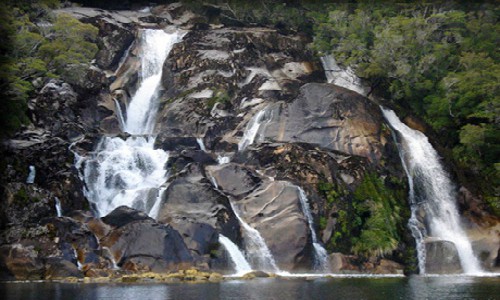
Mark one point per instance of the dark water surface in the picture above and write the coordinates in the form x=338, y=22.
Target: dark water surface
x=415, y=287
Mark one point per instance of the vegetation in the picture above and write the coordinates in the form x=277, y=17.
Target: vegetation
x=380, y=233
x=38, y=44
x=219, y=96
x=370, y=221
x=439, y=61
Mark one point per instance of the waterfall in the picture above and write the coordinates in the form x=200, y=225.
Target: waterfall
x=111, y=258
x=241, y=265
x=31, y=176
x=153, y=213
x=119, y=114
x=130, y=172
x=223, y=159
x=255, y=246
x=201, y=144
x=342, y=77
x=432, y=191
x=321, y=256
x=124, y=172
x=58, y=207
x=252, y=129
x=78, y=263
x=141, y=112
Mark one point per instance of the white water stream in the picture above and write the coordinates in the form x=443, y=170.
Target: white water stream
x=241, y=265
x=31, y=175
x=130, y=172
x=432, y=191
x=321, y=256
x=58, y=207
x=344, y=78
x=252, y=129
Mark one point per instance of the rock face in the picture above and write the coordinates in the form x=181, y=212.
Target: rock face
x=141, y=244
x=331, y=117
x=274, y=210
x=441, y=257
x=190, y=197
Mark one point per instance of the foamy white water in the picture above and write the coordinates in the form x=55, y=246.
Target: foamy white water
x=241, y=265
x=124, y=172
x=320, y=254
x=141, y=112
x=199, y=140
x=58, y=207
x=31, y=175
x=256, y=249
x=435, y=193
x=342, y=77
x=130, y=172
x=252, y=128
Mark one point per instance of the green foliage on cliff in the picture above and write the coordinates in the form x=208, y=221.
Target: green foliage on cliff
x=436, y=60
x=383, y=217
x=370, y=221
x=38, y=44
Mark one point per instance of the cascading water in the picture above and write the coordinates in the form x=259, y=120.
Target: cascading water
x=201, y=144
x=130, y=172
x=344, y=78
x=252, y=129
x=58, y=207
x=141, y=112
x=31, y=176
x=321, y=256
x=432, y=191
x=255, y=246
x=241, y=265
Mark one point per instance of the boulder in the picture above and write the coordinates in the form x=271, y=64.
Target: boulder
x=148, y=246
x=191, y=197
x=386, y=266
x=200, y=238
x=124, y=215
x=441, y=257
x=233, y=179
x=331, y=117
x=58, y=268
x=274, y=209
x=20, y=263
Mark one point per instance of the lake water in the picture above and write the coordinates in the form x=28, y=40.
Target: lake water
x=414, y=287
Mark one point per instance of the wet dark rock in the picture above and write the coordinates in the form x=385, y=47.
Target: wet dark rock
x=234, y=180
x=145, y=245
x=274, y=209
x=331, y=117
x=200, y=238
x=441, y=257
x=123, y=215
x=20, y=263
x=191, y=197
x=58, y=268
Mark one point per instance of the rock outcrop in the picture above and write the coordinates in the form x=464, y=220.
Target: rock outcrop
x=330, y=117
x=441, y=257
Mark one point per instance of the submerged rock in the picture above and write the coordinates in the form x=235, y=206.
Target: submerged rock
x=441, y=257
